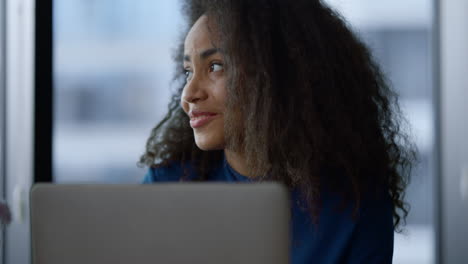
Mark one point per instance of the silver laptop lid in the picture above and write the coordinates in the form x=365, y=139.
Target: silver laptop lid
x=160, y=223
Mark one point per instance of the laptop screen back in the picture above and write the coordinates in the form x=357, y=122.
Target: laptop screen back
x=160, y=223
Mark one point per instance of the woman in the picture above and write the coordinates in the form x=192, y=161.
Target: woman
x=283, y=90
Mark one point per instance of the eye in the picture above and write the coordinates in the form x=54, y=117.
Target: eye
x=188, y=74
x=214, y=67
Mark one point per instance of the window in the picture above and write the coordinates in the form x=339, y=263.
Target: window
x=112, y=74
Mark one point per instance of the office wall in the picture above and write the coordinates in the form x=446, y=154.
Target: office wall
x=453, y=130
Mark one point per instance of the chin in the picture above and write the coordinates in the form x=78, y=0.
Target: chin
x=209, y=143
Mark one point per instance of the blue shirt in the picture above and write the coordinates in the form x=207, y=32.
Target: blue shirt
x=336, y=238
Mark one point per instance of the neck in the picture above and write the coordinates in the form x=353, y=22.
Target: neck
x=237, y=162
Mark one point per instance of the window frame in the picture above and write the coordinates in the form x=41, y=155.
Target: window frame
x=2, y=114
x=43, y=99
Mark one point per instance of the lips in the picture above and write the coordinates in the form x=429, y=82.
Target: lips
x=199, y=119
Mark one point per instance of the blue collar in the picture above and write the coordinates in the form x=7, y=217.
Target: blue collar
x=234, y=174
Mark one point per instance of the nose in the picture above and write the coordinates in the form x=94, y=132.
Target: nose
x=193, y=92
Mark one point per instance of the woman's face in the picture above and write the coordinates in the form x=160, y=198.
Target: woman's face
x=203, y=97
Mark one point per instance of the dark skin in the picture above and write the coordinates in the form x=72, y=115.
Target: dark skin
x=205, y=91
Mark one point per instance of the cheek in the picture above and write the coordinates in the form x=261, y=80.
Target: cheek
x=221, y=92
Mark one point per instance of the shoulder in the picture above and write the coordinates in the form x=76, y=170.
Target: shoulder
x=373, y=235
x=365, y=236
x=166, y=173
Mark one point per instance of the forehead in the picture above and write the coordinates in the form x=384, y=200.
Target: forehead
x=200, y=36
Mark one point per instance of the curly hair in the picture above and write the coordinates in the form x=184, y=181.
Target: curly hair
x=307, y=105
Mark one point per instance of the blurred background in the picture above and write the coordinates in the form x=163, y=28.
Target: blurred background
x=112, y=75
x=112, y=72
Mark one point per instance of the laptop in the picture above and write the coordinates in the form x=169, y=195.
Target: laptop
x=160, y=223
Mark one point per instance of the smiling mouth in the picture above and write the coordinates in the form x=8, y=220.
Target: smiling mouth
x=201, y=120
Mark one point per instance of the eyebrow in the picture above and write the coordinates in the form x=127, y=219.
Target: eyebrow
x=204, y=54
